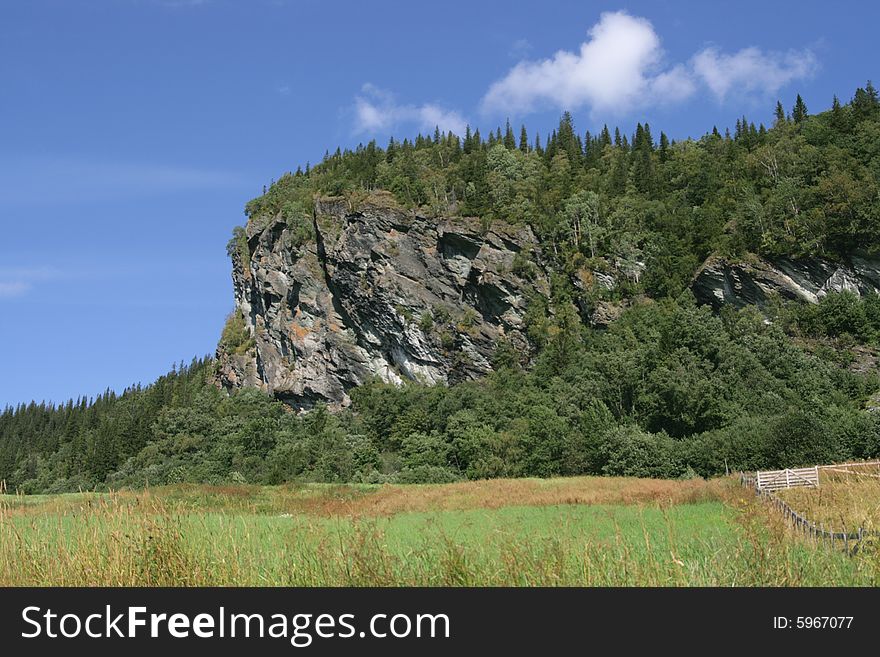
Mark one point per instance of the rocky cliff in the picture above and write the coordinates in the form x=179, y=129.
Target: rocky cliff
x=755, y=280
x=347, y=296
x=377, y=293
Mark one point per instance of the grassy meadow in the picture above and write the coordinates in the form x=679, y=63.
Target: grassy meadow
x=582, y=531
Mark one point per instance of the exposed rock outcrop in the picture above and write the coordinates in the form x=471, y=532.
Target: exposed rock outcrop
x=755, y=280
x=377, y=293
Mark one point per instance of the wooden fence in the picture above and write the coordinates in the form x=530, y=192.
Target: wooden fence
x=850, y=542
x=857, y=469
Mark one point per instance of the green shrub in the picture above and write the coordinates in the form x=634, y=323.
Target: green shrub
x=236, y=338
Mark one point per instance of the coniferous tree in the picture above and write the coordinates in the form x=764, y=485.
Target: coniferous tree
x=509, y=139
x=799, y=113
x=779, y=113
x=664, y=147
x=523, y=140
x=865, y=103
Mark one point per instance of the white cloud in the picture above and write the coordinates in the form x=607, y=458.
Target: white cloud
x=610, y=71
x=377, y=110
x=751, y=70
x=672, y=86
x=18, y=281
x=621, y=67
x=9, y=289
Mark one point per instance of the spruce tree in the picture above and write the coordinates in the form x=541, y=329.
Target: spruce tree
x=799, y=113
x=509, y=140
x=779, y=114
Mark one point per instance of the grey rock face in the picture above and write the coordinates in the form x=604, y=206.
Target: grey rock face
x=378, y=294
x=719, y=281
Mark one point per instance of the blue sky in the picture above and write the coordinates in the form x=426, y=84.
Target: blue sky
x=132, y=132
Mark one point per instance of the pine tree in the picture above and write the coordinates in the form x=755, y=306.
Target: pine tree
x=589, y=148
x=643, y=160
x=865, y=103
x=648, y=138
x=509, y=140
x=871, y=92
x=779, y=114
x=837, y=119
x=568, y=141
x=799, y=113
x=550, y=149
x=523, y=140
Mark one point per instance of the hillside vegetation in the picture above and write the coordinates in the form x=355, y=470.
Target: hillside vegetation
x=668, y=390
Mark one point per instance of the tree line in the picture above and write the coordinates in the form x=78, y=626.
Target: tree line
x=668, y=390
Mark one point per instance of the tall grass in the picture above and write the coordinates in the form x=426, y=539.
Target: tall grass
x=192, y=536
x=842, y=501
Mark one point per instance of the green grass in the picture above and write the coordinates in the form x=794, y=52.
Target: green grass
x=243, y=536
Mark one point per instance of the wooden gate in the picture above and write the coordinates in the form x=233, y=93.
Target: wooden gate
x=778, y=479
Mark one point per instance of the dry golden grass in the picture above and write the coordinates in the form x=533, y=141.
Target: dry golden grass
x=388, y=500
x=843, y=502
x=499, y=493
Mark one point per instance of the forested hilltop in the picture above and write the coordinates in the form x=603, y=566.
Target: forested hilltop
x=806, y=186
x=662, y=387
